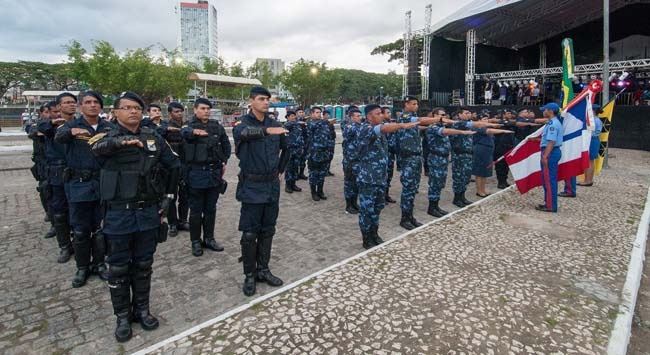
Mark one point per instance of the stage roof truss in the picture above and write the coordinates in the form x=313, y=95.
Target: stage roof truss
x=596, y=68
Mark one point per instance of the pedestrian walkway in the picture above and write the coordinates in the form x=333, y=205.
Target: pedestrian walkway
x=495, y=278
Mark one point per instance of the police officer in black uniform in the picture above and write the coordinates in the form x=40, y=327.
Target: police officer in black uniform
x=130, y=188
x=39, y=169
x=502, y=144
x=66, y=104
x=82, y=186
x=263, y=155
x=171, y=131
x=207, y=150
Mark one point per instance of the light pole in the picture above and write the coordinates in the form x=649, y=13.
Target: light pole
x=314, y=72
x=381, y=92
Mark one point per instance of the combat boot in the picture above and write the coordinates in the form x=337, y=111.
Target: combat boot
x=208, y=233
x=319, y=191
x=295, y=187
x=50, y=233
x=406, y=221
x=98, y=266
x=141, y=285
x=465, y=201
x=302, y=175
x=314, y=194
x=249, y=285
x=60, y=223
x=457, y=200
x=388, y=198
x=375, y=236
x=368, y=241
x=434, y=210
x=414, y=221
x=264, y=244
x=503, y=184
x=249, y=259
x=120, y=290
x=195, y=235
x=349, y=208
x=353, y=200
x=173, y=230
x=288, y=188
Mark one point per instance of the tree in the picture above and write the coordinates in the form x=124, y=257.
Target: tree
x=261, y=71
x=310, y=82
x=395, y=50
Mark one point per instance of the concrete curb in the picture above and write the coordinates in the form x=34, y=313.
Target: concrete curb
x=296, y=283
x=620, y=337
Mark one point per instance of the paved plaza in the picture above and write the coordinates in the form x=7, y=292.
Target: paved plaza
x=497, y=277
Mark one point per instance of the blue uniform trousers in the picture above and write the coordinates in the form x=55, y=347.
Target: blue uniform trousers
x=570, y=186
x=549, y=179
x=461, y=171
x=371, y=202
x=410, y=171
x=437, y=175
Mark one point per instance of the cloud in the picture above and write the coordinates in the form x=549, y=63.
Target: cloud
x=339, y=32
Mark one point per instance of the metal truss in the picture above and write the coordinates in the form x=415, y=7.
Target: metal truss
x=407, y=45
x=426, y=52
x=596, y=68
x=470, y=66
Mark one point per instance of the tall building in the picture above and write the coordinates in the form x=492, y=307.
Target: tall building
x=198, y=31
x=276, y=66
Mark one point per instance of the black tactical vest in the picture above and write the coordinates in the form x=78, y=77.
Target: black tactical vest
x=205, y=150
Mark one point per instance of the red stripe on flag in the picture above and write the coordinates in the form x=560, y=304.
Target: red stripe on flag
x=527, y=149
x=529, y=182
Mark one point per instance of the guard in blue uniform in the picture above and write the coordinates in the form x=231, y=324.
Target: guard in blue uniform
x=550, y=144
x=409, y=160
x=82, y=187
x=207, y=150
x=295, y=144
x=391, y=138
x=462, y=150
x=39, y=169
x=350, y=159
x=171, y=131
x=318, y=131
x=131, y=190
x=260, y=145
x=438, y=157
x=300, y=117
x=371, y=170
x=331, y=144
x=66, y=104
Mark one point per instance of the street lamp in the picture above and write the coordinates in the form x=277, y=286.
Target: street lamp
x=381, y=92
x=313, y=70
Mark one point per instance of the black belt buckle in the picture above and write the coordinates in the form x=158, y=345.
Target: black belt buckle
x=138, y=205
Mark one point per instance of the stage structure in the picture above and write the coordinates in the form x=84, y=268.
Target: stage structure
x=517, y=41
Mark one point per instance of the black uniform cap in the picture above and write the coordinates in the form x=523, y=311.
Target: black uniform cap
x=154, y=105
x=202, y=101
x=173, y=105
x=408, y=98
x=259, y=90
x=60, y=97
x=94, y=94
x=128, y=95
x=289, y=113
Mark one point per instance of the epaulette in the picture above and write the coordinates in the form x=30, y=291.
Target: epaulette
x=237, y=123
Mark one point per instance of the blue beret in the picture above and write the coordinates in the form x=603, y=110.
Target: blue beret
x=173, y=105
x=60, y=96
x=202, y=101
x=259, y=90
x=94, y=94
x=371, y=107
x=128, y=95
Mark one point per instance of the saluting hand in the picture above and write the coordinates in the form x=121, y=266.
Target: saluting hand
x=136, y=142
x=58, y=121
x=409, y=125
x=80, y=132
x=173, y=129
x=276, y=130
x=199, y=132
x=468, y=133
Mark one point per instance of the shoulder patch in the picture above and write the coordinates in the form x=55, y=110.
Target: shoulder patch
x=96, y=137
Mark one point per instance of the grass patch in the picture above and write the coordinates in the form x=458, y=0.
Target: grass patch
x=569, y=295
x=569, y=312
x=257, y=307
x=503, y=299
x=612, y=314
x=551, y=321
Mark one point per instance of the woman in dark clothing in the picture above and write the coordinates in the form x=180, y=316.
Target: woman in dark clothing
x=483, y=150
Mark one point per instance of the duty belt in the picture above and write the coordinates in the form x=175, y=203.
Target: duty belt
x=210, y=167
x=258, y=178
x=132, y=205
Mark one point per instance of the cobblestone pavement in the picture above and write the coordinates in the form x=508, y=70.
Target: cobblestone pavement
x=497, y=277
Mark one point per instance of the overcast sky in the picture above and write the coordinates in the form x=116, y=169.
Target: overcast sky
x=339, y=32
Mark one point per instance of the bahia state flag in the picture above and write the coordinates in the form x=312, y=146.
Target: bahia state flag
x=577, y=122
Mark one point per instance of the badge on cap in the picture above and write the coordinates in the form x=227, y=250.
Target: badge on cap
x=151, y=145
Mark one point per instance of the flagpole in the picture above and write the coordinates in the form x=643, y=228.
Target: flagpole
x=605, y=92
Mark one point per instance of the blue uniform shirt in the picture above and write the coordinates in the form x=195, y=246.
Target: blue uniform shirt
x=552, y=132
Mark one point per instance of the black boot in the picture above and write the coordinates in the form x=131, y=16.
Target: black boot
x=355, y=205
x=466, y=202
x=414, y=221
x=173, y=230
x=82, y=258
x=249, y=258
x=503, y=183
x=195, y=235
x=80, y=277
x=314, y=194
x=62, y=228
x=50, y=233
x=319, y=191
x=120, y=289
x=349, y=207
x=458, y=201
x=208, y=233
x=288, y=188
x=375, y=236
x=302, y=175
x=405, y=222
x=368, y=241
x=141, y=285
x=434, y=210
x=388, y=198
x=264, y=243
x=98, y=248
x=295, y=187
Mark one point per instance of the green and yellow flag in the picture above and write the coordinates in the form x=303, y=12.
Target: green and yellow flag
x=568, y=66
x=606, y=117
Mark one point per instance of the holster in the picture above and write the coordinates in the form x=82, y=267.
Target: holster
x=223, y=186
x=162, y=232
